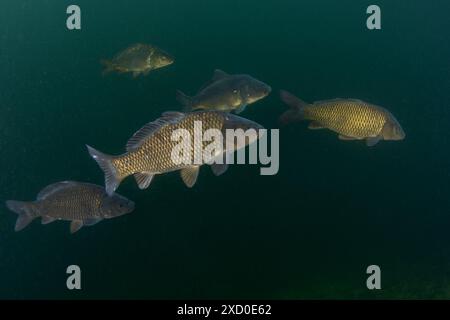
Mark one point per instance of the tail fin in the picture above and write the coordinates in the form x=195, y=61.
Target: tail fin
x=23, y=210
x=112, y=179
x=296, y=113
x=109, y=67
x=185, y=100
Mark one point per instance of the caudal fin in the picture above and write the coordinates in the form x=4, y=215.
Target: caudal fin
x=296, y=113
x=112, y=179
x=23, y=210
x=109, y=67
x=185, y=100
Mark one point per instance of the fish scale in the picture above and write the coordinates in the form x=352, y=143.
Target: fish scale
x=139, y=59
x=152, y=151
x=226, y=92
x=350, y=118
x=78, y=202
x=155, y=154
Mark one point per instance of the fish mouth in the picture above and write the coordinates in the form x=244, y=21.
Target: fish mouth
x=259, y=97
x=169, y=59
x=263, y=93
x=397, y=137
x=402, y=134
x=399, y=133
x=131, y=206
x=166, y=63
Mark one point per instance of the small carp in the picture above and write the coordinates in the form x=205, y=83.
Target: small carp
x=138, y=59
x=226, y=93
x=150, y=150
x=352, y=119
x=83, y=204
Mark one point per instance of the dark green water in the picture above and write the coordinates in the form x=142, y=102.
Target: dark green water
x=334, y=208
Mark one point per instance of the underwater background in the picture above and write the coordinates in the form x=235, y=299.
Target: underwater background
x=309, y=232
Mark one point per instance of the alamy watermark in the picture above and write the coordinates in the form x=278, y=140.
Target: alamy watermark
x=374, y=280
x=74, y=279
x=73, y=21
x=374, y=20
x=211, y=146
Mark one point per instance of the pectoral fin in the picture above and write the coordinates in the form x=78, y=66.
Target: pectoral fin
x=342, y=137
x=240, y=109
x=314, y=125
x=75, y=225
x=91, y=222
x=185, y=100
x=370, y=142
x=219, y=75
x=189, y=175
x=219, y=169
x=47, y=219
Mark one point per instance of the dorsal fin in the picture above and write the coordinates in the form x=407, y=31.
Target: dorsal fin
x=329, y=101
x=219, y=75
x=174, y=115
x=51, y=189
x=357, y=100
x=338, y=100
x=168, y=117
x=291, y=100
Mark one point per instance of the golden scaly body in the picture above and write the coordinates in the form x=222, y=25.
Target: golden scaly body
x=154, y=155
x=138, y=59
x=351, y=118
x=226, y=92
x=135, y=58
x=75, y=202
x=78, y=202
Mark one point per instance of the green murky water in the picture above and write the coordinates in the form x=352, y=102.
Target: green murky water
x=310, y=231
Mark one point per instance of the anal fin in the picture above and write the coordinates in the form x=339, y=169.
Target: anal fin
x=91, y=222
x=75, y=225
x=143, y=179
x=371, y=141
x=189, y=175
